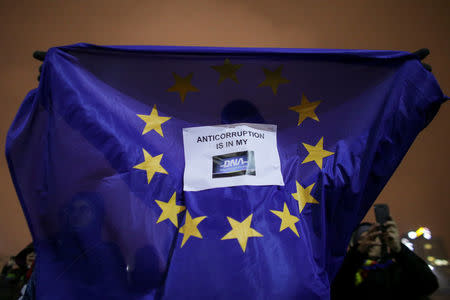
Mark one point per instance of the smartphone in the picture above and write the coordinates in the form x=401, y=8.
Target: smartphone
x=382, y=213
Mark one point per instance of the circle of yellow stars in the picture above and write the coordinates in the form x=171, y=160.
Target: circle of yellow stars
x=241, y=231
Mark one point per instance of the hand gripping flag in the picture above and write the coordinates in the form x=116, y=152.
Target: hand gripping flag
x=211, y=173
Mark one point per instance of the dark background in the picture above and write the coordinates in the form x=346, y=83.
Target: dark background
x=419, y=191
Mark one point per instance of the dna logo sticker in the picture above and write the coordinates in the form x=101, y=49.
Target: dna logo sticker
x=233, y=164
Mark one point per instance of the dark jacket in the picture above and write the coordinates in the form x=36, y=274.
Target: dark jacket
x=403, y=276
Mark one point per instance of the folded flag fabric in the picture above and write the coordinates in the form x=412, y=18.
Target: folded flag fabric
x=151, y=172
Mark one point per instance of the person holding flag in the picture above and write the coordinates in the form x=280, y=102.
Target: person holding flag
x=267, y=215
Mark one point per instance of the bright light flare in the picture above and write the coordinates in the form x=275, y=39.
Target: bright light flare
x=412, y=235
x=408, y=244
x=440, y=262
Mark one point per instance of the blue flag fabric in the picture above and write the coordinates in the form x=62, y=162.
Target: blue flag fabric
x=97, y=158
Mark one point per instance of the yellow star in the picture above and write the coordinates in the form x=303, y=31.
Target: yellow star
x=273, y=79
x=287, y=220
x=170, y=210
x=227, y=70
x=190, y=228
x=153, y=121
x=241, y=231
x=303, y=196
x=316, y=153
x=151, y=165
x=183, y=85
x=305, y=110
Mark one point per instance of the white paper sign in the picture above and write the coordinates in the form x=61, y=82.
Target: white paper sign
x=231, y=155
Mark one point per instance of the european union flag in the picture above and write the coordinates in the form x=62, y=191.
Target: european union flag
x=212, y=173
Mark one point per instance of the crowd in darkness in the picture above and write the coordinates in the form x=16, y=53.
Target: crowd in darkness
x=369, y=271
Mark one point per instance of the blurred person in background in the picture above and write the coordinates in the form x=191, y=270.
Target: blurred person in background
x=379, y=266
x=16, y=273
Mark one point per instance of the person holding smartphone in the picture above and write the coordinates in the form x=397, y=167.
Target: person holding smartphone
x=378, y=266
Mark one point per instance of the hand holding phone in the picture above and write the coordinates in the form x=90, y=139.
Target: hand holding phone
x=382, y=213
x=382, y=216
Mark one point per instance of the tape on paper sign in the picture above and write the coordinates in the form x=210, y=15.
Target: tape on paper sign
x=231, y=155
